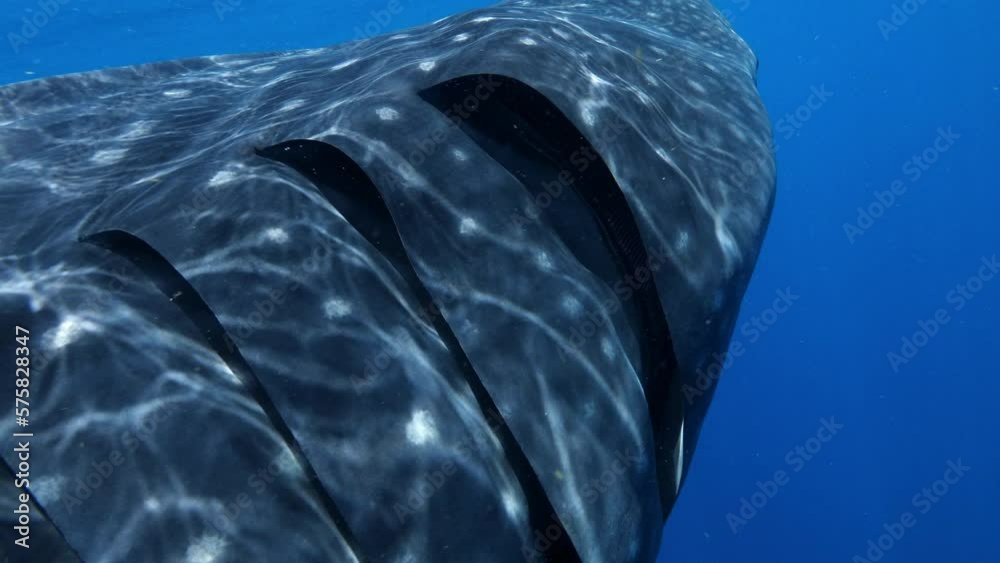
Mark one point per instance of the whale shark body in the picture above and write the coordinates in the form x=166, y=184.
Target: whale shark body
x=441, y=295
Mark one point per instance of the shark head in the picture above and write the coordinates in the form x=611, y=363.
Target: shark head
x=456, y=293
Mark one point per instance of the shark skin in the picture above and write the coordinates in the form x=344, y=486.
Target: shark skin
x=439, y=295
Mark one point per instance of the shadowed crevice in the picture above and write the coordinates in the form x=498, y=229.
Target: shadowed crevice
x=182, y=294
x=578, y=197
x=351, y=191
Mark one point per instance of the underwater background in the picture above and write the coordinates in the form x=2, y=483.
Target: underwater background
x=882, y=252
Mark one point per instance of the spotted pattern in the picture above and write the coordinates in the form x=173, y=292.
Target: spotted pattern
x=663, y=88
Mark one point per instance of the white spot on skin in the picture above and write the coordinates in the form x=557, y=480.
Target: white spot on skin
x=137, y=130
x=511, y=505
x=420, y=429
x=221, y=177
x=427, y=66
x=461, y=37
x=206, y=549
x=108, y=156
x=682, y=241
x=151, y=505
x=460, y=155
x=738, y=133
x=177, y=93
x=607, y=348
x=543, y=261
x=387, y=114
x=528, y=41
x=69, y=331
x=291, y=104
x=468, y=226
x=337, y=309
x=697, y=86
x=46, y=488
x=344, y=64
x=277, y=235
x=597, y=80
x=725, y=239
x=572, y=305
x=483, y=20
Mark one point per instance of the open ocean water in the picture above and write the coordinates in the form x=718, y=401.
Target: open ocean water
x=873, y=308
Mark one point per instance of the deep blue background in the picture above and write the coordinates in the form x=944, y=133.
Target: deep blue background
x=825, y=357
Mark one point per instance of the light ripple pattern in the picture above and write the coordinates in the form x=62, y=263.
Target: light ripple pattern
x=124, y=380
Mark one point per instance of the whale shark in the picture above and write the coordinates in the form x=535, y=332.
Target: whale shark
x=453, y=293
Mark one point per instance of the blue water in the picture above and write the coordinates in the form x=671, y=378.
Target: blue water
x=878, y=98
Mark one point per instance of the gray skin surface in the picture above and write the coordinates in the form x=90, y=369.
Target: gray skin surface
x=123, y=380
